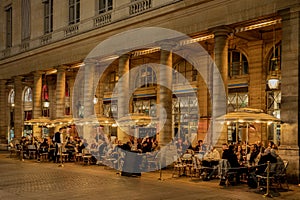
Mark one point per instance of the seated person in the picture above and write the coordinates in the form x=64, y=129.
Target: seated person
x=70, y=148
x=200, y=147
x=79, y=147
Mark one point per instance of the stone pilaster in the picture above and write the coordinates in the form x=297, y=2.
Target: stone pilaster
x=289, y=148
x=219, y=102
x=123, y=94
x=4, y=110
x=71, y=86
x=37, y=95
x=60, y=92
x=18, y=110
x=257, y=85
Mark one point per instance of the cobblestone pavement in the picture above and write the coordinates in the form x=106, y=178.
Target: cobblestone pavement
x=32, y=180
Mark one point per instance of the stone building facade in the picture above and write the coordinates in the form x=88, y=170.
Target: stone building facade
x=44, y=47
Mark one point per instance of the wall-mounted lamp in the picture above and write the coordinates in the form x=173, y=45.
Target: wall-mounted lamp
x=46, y=104
x=273, y=80
x=95, y=100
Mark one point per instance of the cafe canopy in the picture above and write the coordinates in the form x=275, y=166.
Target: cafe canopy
x=248, y=116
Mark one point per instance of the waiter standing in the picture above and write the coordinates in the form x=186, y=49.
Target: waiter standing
x=58, y=140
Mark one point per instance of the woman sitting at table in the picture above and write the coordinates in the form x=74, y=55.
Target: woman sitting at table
x=212, y=154
x=240, y=154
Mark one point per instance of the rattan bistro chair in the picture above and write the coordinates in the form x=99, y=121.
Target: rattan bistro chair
x=178, y=167
x=86, y=157
x=280, y=178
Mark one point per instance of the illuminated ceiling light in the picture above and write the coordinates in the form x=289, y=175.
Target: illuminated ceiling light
x=258, y=25
x=108, y=58
x=53, y=71
x=197, y=39
x=146, y=51
x=78, y=65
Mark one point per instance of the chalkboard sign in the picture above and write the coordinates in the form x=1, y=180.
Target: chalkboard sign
x=150, y=132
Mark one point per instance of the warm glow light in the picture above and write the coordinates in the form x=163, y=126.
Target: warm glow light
x=273, y=83
x=147, y=51
x=258, y=25
x=95, y=100
x=198, y=39
x=46, y=104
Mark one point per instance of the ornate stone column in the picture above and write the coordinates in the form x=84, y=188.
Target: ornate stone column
x=4, y=109
x=289, y=148
x=89, y=70
x=18, y=112
x=165, y=95
x=60, y=92
x=219, y=102
x=123, y=94
x=88, y=96
x=37, y=94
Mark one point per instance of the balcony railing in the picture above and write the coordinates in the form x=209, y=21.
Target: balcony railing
x=139, y=6
x=45, y=39
x=71, y=30
x=24, y=46
x=102, y=19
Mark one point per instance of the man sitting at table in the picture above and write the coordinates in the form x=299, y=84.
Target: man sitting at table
x=228, y=153
x=200, y=147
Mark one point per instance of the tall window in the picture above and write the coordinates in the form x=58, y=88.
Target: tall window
x=183, y=72
x=8, y=11
x=48, y=16
x=25, y=19
x=146, y=106
x=27, y=103
x=74, y=11
x=28, y=95
x=110, y=108
x=45, y=99
x=237, y=98
x=67, y=99
x=146, y=77
x=112, y=79
x=105, y=5
x=237, y=64
x=11, y=98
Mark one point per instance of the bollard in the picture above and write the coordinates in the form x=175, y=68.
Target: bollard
x=268, y=181
x=61, y=160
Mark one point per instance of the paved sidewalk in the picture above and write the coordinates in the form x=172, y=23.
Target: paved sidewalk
x=32, y=180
